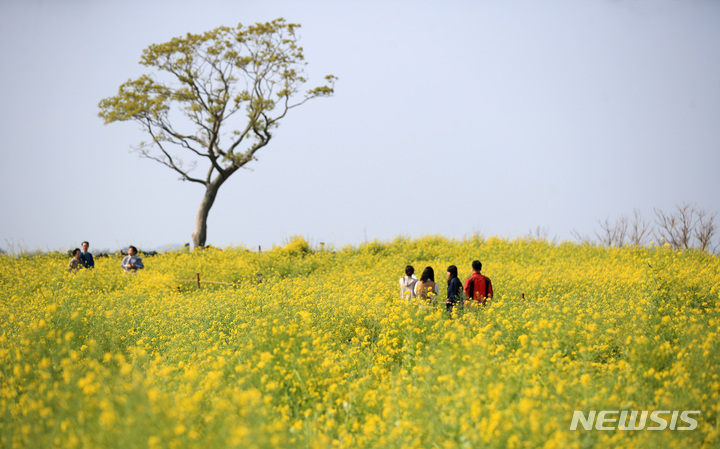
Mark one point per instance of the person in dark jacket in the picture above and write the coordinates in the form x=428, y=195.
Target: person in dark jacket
x=85, y=256
x=454, y=288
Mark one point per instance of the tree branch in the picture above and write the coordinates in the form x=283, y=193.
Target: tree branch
x=168, y=161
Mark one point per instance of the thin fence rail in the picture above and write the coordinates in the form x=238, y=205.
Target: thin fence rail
x=198, y=281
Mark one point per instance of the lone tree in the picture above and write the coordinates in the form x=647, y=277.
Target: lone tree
x=194, y=105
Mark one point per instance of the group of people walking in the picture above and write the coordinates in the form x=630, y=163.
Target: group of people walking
x=82, y=258
x=477, y=287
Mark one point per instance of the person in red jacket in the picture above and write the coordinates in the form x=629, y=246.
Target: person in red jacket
x=478, y=287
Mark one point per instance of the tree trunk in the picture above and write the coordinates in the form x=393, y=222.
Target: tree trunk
x=200, y=234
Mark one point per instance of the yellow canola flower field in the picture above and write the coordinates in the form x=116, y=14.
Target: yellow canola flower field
x=323, y=353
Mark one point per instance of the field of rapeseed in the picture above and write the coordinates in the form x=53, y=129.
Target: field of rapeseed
x=322, y=353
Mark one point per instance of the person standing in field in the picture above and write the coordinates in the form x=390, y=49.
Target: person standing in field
x=75, y=263
x=86, y=257
x=426, y=284
x=407, y=283
x=132, y=261
x=454, y=288
x=478, y=287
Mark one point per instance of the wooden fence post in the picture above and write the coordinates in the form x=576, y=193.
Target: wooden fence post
x=198, y=280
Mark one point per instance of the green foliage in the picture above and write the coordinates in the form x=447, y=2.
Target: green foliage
x=211, y=77
x=140, y=99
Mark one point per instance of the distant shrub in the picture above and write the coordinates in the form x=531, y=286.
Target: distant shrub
x=297, y=246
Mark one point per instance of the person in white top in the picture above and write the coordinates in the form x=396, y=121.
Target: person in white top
x=407, y=283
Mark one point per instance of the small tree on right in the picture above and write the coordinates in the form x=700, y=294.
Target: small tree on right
x=686, y=227
x=705, y=229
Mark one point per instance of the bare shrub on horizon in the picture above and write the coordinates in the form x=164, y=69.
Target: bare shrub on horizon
x=686, y=227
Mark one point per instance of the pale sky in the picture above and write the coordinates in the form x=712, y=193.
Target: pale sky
x=449, y=118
